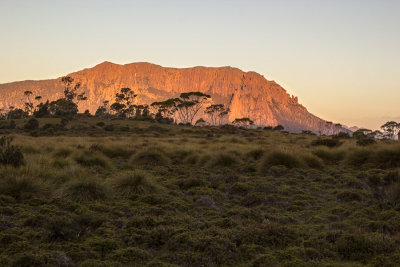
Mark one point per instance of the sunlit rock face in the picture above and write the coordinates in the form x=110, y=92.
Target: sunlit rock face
x=247, y=94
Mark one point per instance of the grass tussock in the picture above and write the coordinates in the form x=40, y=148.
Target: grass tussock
x=88, y=189
x=150, y=157
x=278, y=158
x=92, y=159
x=62, y=152
x=223, y=159
x=330, y=156
x=134, y=182
x=20, y=187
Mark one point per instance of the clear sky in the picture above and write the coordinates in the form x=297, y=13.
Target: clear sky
x=341, y=57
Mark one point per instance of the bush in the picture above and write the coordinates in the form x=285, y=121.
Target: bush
x=131, y=255
x=10, y=154
x=361, y=247
x=32, y=124
x=100, y=124
x=278, y=158
x=85, y=190
x=359, y=157
x=330, y=156
x=136, y=182
x=112, y=152
x=326, y=142
x=365, y=141
x=150, y=157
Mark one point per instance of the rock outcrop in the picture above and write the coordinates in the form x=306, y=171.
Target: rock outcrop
x=247, y=94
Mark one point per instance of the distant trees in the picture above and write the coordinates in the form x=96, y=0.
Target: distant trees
x=216, y=113
x=189, y=104
x=123, y=105
x=391, y=129
x=68, y=105
x=243, y=122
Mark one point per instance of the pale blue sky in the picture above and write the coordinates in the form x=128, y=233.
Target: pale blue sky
x=340, y=57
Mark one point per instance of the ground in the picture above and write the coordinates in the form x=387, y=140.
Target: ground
x=134, y=193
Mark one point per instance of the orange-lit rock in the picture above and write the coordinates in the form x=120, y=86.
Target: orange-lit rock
x=248, y=94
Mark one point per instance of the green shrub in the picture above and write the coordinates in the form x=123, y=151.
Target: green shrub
x=365, y=141
x=88, y=189
x=10, y=154
x=130, y=255
x=362, y=247
x=330, y=156
x=150, y=157
x=100, y=124
x=326, y=142
x=31, y=124
x=134, y=182
x=278, y=158
x=359, y=157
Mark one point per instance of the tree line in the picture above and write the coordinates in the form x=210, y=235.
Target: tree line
x=183, y=109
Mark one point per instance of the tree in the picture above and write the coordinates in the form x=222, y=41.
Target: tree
x=243, y=122
x=123, y=104
x=189, y=104
x=279, y=128
x=391, y=128
x=214, y=113
x=28, y=104
x=164, y=109
x=63, y=107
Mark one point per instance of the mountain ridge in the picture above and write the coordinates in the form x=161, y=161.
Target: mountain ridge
x=248, y=94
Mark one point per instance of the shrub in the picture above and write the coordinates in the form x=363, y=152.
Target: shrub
x=255, y=154
x=326, y=142
x=150, y=157
x=365, y=141
x=359, y=157
x=10, y=154
x=223, y=160
x=330, y=156
x=32, y=124
x=90, y=159
x=361, y=247
x=100, y=124
x=85, y=190
x=131, y=255
x=278, y=158
x=109, y=128
x=136, y=182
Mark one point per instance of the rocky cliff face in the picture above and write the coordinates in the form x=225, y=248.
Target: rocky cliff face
x=247, y=94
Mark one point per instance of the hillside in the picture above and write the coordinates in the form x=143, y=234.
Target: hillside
x=247, y=94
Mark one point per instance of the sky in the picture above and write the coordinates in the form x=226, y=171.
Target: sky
x=340, y=57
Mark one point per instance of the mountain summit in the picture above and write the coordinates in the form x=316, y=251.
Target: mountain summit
x=247, y=94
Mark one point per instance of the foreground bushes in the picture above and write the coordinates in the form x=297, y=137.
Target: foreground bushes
x=10, y=154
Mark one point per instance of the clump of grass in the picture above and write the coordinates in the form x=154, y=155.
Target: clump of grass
x=255, y=154
x=112, y=152
x=10, y=154
x=359, y=157
x=20, y=187
x=85, y=190
x=223, y=159
x=312, y=161
x=330, y=155
x=91, y=159
x=134, y=182
x=278, y=158
x=150, y=157
x=62, y=152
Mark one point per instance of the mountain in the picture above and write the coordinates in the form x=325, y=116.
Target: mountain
x=247, y=94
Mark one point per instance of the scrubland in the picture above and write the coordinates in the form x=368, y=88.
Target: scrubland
x=132, y=193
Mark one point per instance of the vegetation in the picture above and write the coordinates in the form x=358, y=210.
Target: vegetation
x=76, y=194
